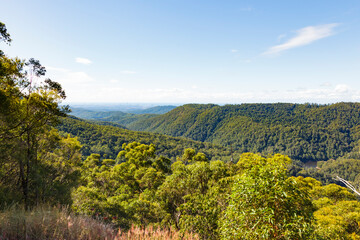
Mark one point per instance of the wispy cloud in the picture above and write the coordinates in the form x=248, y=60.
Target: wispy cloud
x=56, y=69
x=113, y=80
x=234, y=50
x=68, y=77
x=304, y=36
x=281, y=36
x=337, y=93
x=325, y=84
x=83, y=60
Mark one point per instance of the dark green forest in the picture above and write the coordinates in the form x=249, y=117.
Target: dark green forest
x=107, y=141
x=307, y=132
x=118, y=178
x=121, y=118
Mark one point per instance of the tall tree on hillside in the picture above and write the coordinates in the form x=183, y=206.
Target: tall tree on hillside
x=29, y=107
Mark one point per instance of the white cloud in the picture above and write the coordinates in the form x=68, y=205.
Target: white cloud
x=281, y=36
x=326, y=84
x=234, y=50
x=113, y=81
x=338, y=93
x=78, y=85
x=56, y=69
x=78, y=77
x=127, y=72
x=304, y=36
x=83, y=60
x=342, y=88
x=81, y=87
x=68, y=77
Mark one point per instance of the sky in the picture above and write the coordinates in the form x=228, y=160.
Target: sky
x=192, y=51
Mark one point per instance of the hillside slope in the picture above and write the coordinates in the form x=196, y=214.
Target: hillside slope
x=154, y=110
x=302, y=131
x=118, y=117
x=108, y=140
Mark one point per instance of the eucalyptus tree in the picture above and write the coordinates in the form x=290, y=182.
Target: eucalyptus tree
x=30, y=106
x=266, y=204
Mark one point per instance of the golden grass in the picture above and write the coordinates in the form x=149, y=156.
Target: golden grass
x=151, y=233
x=61, y=224
x=50, y=223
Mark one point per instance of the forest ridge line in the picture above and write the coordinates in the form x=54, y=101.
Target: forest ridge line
x=307, y=132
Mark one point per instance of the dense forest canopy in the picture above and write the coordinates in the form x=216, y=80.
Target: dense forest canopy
x=307, y=132
x=108, y=140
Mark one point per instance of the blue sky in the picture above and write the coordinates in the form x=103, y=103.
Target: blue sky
x=182, y=51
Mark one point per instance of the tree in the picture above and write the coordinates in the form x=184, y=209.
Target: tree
x=194, y=196
x=29, y=108
x=4, y=36
x=336, y=212
x=266, y=204
x=58, y=170
x=123, y=193
x=202, y=208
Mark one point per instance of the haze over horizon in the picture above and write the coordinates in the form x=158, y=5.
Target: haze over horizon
x=192, y=51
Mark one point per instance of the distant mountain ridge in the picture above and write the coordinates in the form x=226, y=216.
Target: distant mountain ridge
x=154, y=110
x=120, y=117
x=302, y=131
x=307, y=132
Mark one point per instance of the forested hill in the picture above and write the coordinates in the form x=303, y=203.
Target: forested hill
x=154, y=110
x=119, y=117
x=302, y=131
x=107, y=140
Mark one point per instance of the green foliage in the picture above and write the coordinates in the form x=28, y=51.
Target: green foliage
x=58, y=169
x=108, y=140
x=336, y=210
x=327, y=171
x=4, y=36
x=301, y=131
x=123, y=193
x=138, y=154
x=190, y=156
x=154, y=110
x=266, y=204
x=51, y=176
x=117, y=117
x=338, y=220
x=34, y=160
x=200, y=213
x=194, y=196
x=122, y=117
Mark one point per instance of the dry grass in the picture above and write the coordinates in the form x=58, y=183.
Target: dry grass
x=50, y=223
x=150, y=233
x=60, y=224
